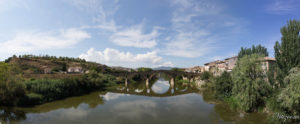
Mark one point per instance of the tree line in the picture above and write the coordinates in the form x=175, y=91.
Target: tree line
x=250, y=88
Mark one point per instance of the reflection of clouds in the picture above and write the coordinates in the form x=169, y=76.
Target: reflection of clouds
x=111, y=96
x=138, y=90
x=160, y=86
x=74, y=114
x=135, y=109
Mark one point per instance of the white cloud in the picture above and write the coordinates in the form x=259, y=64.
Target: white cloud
x=112, y=96
x=284, y=7
x=129, y=36
x=30, y=41
x=141, y=108
x=184, y=45
x=194, y=23
x=114, y=57
x=135, y=37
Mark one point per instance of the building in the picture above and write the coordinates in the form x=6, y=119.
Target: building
x=221, y=66
x=196, y=69
x=46, y=69
x=231, y=63
x=209, y=66
x=76, y=69
x=267, y=63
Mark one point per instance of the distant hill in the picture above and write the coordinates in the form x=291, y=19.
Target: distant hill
x=162, y=68
x=31, y=64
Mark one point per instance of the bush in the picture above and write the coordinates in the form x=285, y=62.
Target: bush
x=11, y=88
x=206, y=75
x=289, y=97
x=96, y=80
x=223, y=85
x=31, y=99
x=50, y=89
x=249, y=86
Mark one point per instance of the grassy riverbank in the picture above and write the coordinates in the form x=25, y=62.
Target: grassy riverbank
x=15, y=91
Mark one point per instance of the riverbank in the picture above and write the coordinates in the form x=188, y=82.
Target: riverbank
x=20, y=92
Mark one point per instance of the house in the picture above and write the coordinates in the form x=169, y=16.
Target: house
x=46, y=69
x=267, y=62
x=209, y=66
x=75, y=69
x=231, y=63
x=221, y=65
x=196, y=69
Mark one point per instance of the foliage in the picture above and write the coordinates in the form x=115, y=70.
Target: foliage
x=50, y=89
x=177, y=69
x=143, y=69
x=249, y=87
x=287, y=52
x=45, y=90
x=11, y=88
x=206, y=75
x=272, y=75
x=183, y=81
x=97, y=80
x=223, y=85
x=289, y=98
x=53, y=58
x=259, y=49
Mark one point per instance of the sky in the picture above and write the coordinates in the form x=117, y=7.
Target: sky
x=142, y=33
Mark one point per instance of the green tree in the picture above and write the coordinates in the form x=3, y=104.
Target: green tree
x=287, y=53
x=143, y=69
x=223, y=85
x=11, y=88
x=259, y=49
x=177, y=69
x=249, y=86
x=206, y=75
x=289, y=98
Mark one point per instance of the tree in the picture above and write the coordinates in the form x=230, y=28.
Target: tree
x=289, y=98
x=143, y=69
x=223, y=85
x=249, y=86
x=177, y=69
x=287, y=53
x=206, y=75
x=259, y=49
x=11, y=88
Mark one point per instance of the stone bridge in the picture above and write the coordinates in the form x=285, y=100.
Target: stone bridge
x=148, y=75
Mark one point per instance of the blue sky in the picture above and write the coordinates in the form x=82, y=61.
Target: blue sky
x=135, y=33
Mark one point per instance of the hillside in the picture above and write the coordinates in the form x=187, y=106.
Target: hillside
x=30, y=64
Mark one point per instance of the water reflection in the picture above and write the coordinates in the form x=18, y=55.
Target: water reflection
x=156, y=103
x=160, y=86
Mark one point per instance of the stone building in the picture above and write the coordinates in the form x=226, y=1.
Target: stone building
x=196, y=69
x=76, y=69
x=231, y=63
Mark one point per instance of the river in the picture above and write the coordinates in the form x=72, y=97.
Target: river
x=157, y=102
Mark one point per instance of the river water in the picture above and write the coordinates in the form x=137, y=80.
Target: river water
x=155, y=102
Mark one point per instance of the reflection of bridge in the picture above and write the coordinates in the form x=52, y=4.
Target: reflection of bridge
x=153, y=94
x=148, y=91
x=147, y=75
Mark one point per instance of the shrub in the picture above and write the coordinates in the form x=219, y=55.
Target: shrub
x=206, y=75
x=249, y=86
x=289, y=97
x=11, y=88
x=223, y=85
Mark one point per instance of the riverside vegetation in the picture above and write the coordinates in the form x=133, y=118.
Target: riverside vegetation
x=15, y=90
x=249, y=88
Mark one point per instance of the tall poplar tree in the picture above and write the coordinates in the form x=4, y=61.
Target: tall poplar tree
x=287, y=53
